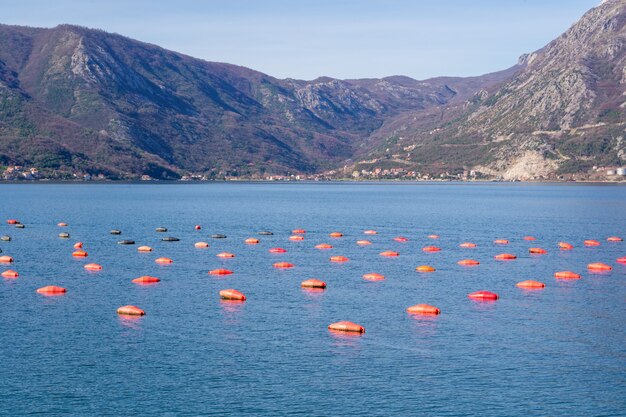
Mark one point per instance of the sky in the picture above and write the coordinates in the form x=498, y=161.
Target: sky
x=335, y=38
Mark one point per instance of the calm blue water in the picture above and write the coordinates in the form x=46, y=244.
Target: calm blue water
x=559, y=352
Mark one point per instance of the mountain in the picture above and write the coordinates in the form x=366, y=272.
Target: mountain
x=563, y=112
x=74, y=99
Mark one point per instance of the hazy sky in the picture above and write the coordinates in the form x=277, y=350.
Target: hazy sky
x=338, y=38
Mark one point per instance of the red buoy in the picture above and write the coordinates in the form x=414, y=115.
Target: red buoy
x=566, y=275
x=220, y=272
x=505, y=257
x=483, y=296
x=363, y=242
x=323, y=246
x=198, y=227
x=433, y=236
x=163, y=260
x=296, y=238
x=529, y=238
x=501, y=242
x=231, y=294
x=370, y=232
x=283, y=265
x=6, y=259
x=389, y=254
x=565, y=246
x=78, y=245
x=10, y=274
x=621, y=260
x=591, y=242
x=614, y=239
x=201, y=245
x=423, y=309
x=130, y=311
x=251, y=241
x=277, y=250
x=346, y=326
x=373, y=276
x=599, y=266
x=51, y=290
x=298, y=231
x=339, y=259
x=225, y=255
x=530, y=284
x=144, y=249
x=336, y=234
x=313, y=283
x=13, y=221
x=537, y=251
x=146, y=279
x=425, y=268
x=80, y=254
x=431, y=249
x=468, y=262
x=467, y=245
x=401, y=239
x=93, y=267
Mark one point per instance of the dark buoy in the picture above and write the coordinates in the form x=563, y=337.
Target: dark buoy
x=218, y=236
x=115, y=232
x=266, y=233
x=19, y=226
x=161, y=229
x=126, y=242
x=170, y=239
x=5, y=238
x=64, y=235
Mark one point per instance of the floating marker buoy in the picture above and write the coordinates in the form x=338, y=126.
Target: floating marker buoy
x=51, y=290
x=218, y=236
x=431, y=249
x=231, y=294
x=225, y=255
x=93, y=267
x=163, y=260
x=283, y=265
x=251, y=241
x=565, y=246
x=298, y=231
x=621, y=260
x=144, y=249
x=5, y=238
x=161, y=229
x=277, y=250
x=401, y=239
x=198, y=227
x=363, y=242
x=468, y=262
x=64, y=235
x=483, y=296
x=530, y=284
x=296, y=237
x=115, y=232
x=266, y=233
x=62, y=224
x=13, y=221
x=313, y=283
x=339, y=259
x=425, y=268
x=146, y=279
x=566, y=275
x=505, y=257
x=468, y=245
x=373, y=276
x=389, y=254
x=80, y=254
x=130, y=311
x=201, y=245
x=537, y=251
x=423, y=309
x=370, y=232
x=170, y=239
x=78, y=245
x=599, y=266
x=6, y=259
x=10, y=274
x=220, y=272
x=433, y=236
x=336, y=234
x=614, y=239
x=19, y=226
x=323, y=246
x=501, y=242
x=126, y=242
x=591, y=242
x=346, y=326
x=529, y=238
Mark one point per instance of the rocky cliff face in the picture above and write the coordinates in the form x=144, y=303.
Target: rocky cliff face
x=563, y=112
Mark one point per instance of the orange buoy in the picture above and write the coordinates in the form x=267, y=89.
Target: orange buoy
x=346, y=326
x=530, y=284
x=62, y=224
x=621, y=260
x=370, y=232
x=483, y=296
x=433, y=236
x=529, y=238
x=298, y=231
x=220, y=271
x=537, y=251
x=401, y=239
x=198, y=227
x=336, y=234
x=313, y=283
x=296, y=238
x=51, y=290
x=468, y=262
x=599, y=266
x=505, y=257
x=225, y=255
x=93, y=267
x=163, y=260
x=201, y=245
x=389, y=254
x=144, y=249
x=6, y=259
x=10, y=274
x=339, y=259
x=231, y=294
x=146, y=279
x=283, y=265
x=501, y=242
x=423, y=309
x=363, y=242
x=251, y=241
x=614, y=239
x=566, y=275
x=591, y=242
x=80, y=254
x=13, y=221
x=373, y=276
x=323, y=246
x=130, y=311
x=431, y=249
x=565, y=246
x=425, y=268
x=78, y=245
x=277, y=250
x=467, y=245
